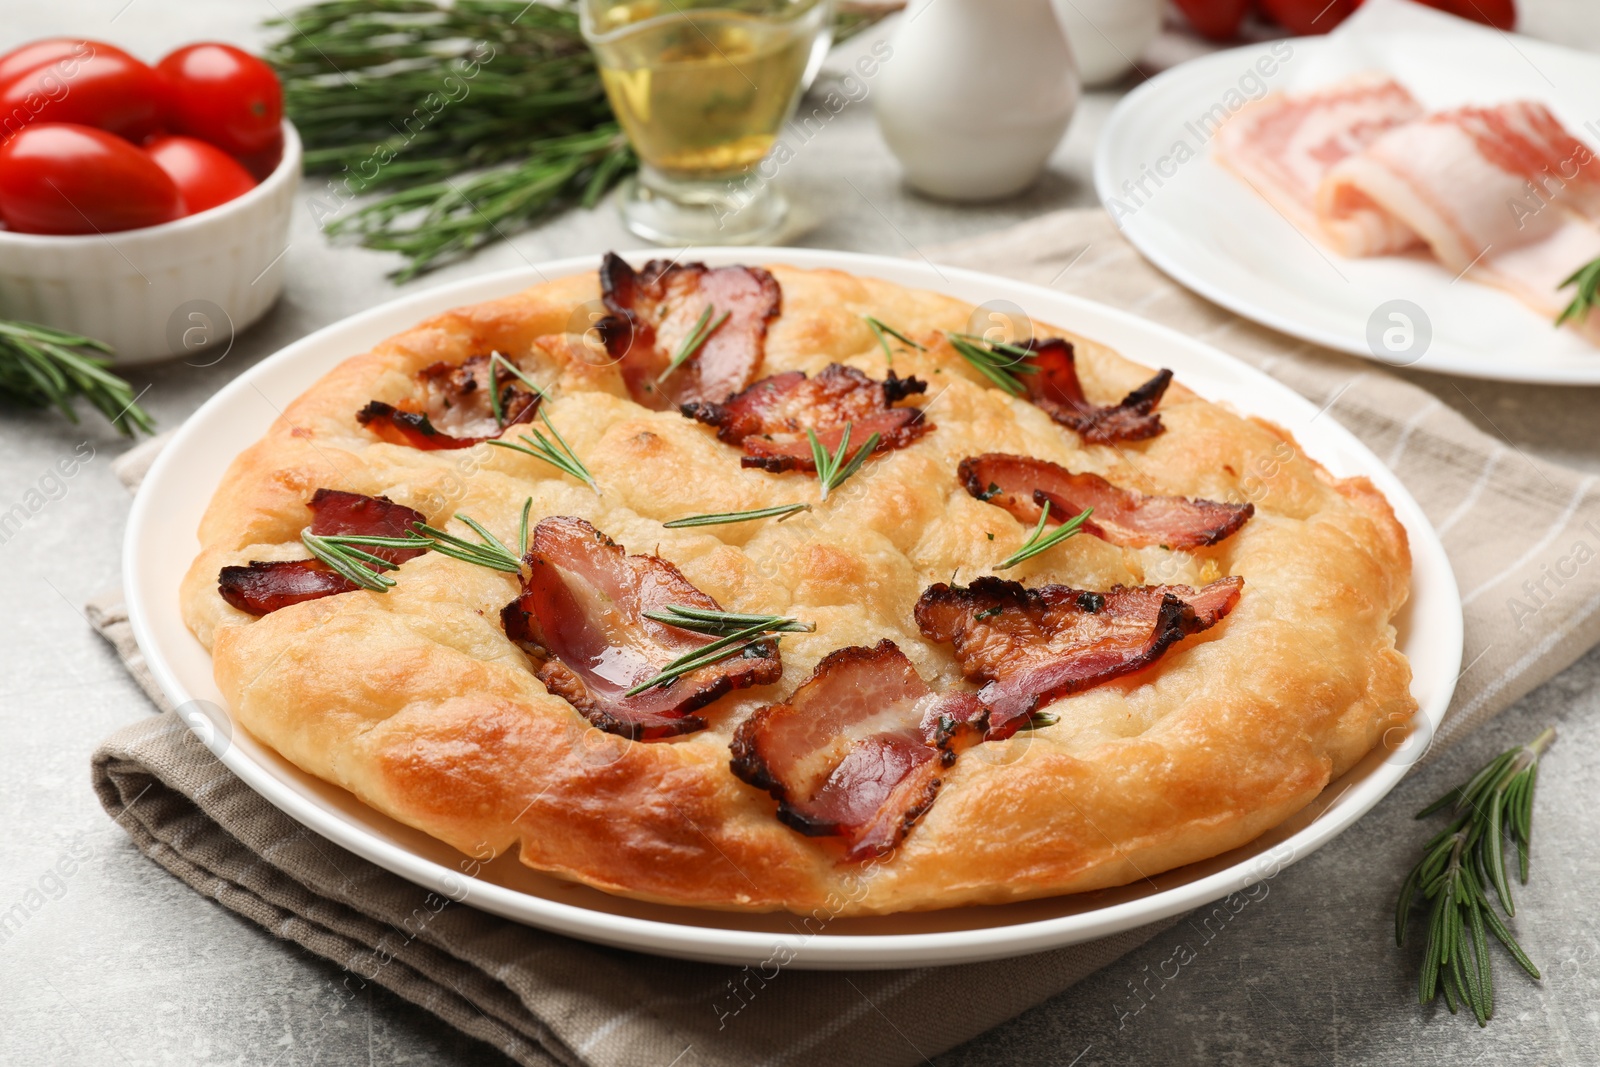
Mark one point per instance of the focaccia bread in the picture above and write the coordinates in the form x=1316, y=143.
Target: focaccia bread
x=1124, y=702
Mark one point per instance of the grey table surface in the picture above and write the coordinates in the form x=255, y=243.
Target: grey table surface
x=124, y=964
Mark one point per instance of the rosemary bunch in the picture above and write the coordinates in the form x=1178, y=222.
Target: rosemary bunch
x=45, y=367
x=1460, y=867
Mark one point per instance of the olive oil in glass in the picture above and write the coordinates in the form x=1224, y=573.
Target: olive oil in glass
x=703, y=92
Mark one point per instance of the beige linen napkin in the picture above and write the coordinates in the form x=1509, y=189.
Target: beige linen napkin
x=545, y=999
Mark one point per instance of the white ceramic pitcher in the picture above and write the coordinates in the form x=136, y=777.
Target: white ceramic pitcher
x=976, y=96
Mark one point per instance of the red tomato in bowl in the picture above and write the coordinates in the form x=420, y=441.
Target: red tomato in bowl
x=62, y=178
x=1217, y=19
x=1305, y=17
x=218, y=93
x=205, y=174
x=1501, y=14
x=107, y=88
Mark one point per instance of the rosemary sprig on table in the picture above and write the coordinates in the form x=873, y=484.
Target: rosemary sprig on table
x=45, y=367
x=833, y=470
x=883, y=331
x=1039, y=541
x=724, y=517
x=998, y=361
x=496, y=360
x=558, y=454
x=691, y=344
x=737, y=639
x=1459, y=866
x=1587, y=279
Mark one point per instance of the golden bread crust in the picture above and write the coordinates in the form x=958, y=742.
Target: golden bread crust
x=416, y=701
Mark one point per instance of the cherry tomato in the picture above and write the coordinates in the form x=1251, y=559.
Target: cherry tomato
x=205, y=174
x=223, y=95
x=1305, y=17
x=1501, y=14
x=1216, y=19
x=56, y=177
x=262, y=163
x=108, y=88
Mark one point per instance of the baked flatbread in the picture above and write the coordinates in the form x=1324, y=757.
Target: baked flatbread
x=1261, y=666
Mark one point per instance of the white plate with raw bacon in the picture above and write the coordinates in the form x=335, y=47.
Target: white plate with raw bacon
x=1411, y=188
x=450, y=729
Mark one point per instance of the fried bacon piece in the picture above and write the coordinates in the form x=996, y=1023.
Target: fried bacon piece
x=1021, y=485
x=453, y=409
x=654, y=310
x=581, y=614
x=859, y=750
x=1057, y=391
x=262, y=587
x=1033, y=645
x=770, y=419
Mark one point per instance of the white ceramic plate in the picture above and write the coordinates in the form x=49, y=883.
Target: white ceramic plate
x=1213, y=234
x=161, y=543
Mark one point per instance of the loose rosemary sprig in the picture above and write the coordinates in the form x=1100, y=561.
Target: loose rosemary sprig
x=558, y=454
x=496, y=360
x=45, y=367
x=1039, y=541
x=735, y=643
x=1459, y=866
x=691, y=344
x=883, y=331
x=724, y=517
x=998, y=361
x=832, y=471
x=1587, y=279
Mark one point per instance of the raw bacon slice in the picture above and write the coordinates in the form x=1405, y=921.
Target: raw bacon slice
x=264, y=587
x=770, y=418
x=655, y=309
x=1021, y=485
x=859, y=750
x=581, y=613
x=453, y=409
x=1055, y=389
x=1283, y=146
x=1503, y=195
x=1033, y=645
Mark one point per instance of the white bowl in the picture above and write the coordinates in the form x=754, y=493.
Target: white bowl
x=161, y=291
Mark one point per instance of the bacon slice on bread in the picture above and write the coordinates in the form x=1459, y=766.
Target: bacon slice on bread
x=654, y=310
x=264, y=587
x=1031, y=646
x=581, y=614
x=769, y=420
x=452, y=408
x=1055, y=389
x=1021, y=485
x=859, y=751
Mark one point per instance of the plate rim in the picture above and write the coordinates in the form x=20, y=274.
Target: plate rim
x=1199, y=70
x=822, y=950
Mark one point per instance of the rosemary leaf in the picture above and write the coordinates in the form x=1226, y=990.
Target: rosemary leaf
x=724, y=517
x=496, y=360
x=350, y=562
x=883, y=331
x=1039, y=541
x=1587, y=279
x=558, y=454
x=691, y=344
x=833, y=470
